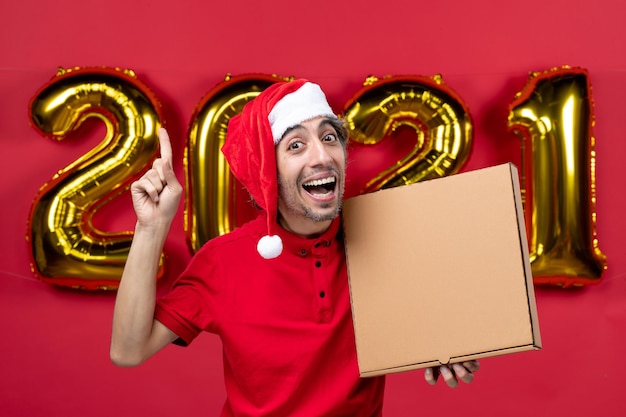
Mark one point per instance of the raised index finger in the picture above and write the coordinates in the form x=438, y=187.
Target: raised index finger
x=166, y=145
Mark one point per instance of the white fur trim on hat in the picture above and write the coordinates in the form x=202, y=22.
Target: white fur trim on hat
x=306, y=103
x=269, y=247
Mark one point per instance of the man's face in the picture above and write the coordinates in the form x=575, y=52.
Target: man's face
x=311, y=164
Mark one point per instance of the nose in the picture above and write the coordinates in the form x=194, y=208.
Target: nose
x=318, y=153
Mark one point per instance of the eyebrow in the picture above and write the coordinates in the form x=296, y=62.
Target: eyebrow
x=323, y=123
x=291, y=129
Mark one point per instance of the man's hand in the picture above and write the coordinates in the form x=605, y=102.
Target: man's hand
x=157, y=193
x=136, y=335
x=452, y=374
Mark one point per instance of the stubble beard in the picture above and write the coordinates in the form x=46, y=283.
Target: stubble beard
x=289, y=192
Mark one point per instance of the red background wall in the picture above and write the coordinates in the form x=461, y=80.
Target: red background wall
x=54, y=349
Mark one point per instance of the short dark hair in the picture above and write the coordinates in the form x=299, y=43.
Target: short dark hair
x=341, y=126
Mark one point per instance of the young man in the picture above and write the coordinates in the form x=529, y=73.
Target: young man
x=276, y=289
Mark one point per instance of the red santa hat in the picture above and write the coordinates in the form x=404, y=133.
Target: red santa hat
x=252, y=136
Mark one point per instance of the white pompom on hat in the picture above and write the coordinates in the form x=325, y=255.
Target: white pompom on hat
x=252, y=136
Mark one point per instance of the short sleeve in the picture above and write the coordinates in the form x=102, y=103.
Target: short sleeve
x=190, y=306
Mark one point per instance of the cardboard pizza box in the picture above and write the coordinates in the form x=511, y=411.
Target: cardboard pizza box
x=439, y=272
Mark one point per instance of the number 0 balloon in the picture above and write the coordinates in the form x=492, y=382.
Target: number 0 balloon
x=211, y=198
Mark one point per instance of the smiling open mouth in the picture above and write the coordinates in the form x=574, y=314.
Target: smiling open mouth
x=320, y=187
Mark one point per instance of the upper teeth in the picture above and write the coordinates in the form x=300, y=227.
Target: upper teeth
x=316, y=183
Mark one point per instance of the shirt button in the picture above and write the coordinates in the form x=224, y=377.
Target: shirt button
x=303, y=252
x=318, y=264
x=322, y=294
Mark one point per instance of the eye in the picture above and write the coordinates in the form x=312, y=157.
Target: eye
x=294, y=145
x=329, y=137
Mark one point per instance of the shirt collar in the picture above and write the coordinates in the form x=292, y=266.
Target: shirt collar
x=295, y=244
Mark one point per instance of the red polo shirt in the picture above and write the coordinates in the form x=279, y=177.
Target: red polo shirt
x=285, y=324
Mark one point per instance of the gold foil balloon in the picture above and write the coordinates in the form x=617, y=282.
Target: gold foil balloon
x=213, y=195
x=429, y=109
x=66, y=248
x=554, y=117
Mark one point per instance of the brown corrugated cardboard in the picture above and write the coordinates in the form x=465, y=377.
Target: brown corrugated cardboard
x=439, y=272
